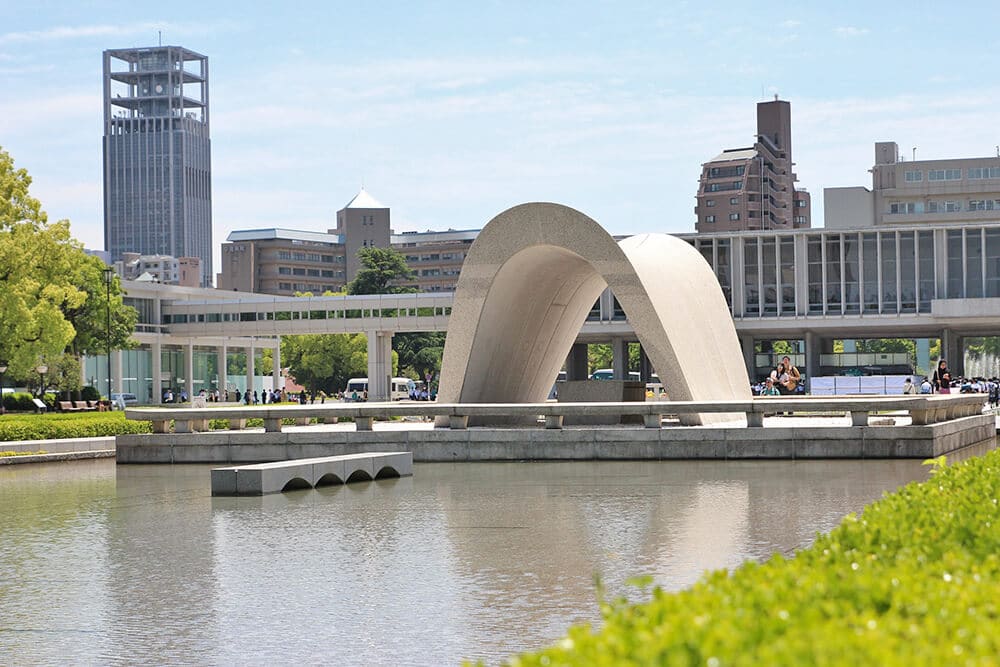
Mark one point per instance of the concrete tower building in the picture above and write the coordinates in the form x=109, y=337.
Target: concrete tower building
x=753, y=188
x=157, y=154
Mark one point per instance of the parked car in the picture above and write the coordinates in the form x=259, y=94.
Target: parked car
x=124, y=398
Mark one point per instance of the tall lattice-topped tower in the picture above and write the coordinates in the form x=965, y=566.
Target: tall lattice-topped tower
x=157, y=154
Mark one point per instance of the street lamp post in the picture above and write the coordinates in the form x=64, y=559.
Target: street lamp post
x=3, y=369
x=42, y=370
x=109, y=275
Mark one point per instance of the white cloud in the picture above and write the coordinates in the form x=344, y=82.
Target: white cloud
x=790, y=23
x=59, y=33
x=851, y=31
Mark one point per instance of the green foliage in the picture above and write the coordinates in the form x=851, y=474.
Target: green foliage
x=324, y=362
x=50, y=289
x=914, y=580
x=382, y=268
x=89, y=393
x=54, y=426
x=419, y=353
x=11, y=453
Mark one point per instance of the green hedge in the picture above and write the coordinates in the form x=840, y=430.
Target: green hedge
x=915, y=580
x=21, y=401
x=54, y=426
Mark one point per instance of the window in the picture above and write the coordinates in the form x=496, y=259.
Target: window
x=800, y=203
x=709, y=202
x=709, y=218
x=734, y=216
x=906, y=207
x=733, y=201
x=976, y=173
x=284, y=254
x=914, y=176
x=944, y=175
x=977, y=204
x=799, y=220
x=719, y=187
x=952, y=206
x=726, y=172
x=284, y=271
x=298, y=272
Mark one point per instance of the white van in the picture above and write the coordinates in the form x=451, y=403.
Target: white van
x=400, y=389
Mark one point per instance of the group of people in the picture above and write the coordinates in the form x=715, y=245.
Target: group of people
x=943, y=382
x=783, y=381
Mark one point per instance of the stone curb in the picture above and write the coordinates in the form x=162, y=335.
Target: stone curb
x=58, y=456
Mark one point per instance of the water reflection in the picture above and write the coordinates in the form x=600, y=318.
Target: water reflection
x=140, y=564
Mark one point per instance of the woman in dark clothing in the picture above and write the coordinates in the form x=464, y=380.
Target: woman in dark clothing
x=942, y=378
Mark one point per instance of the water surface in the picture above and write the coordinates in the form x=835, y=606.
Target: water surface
x=139, y=564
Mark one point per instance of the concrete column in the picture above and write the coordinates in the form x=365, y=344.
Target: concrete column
x=276, y=354
x=117, y=368
x=619, y=358
x=812, y=355
x=157, y=354
x=645, y=367
x=222, y=353
x=576, y=362
x=924, y=356
x=746, y=345
x=951, y=349
x=379, y=364
x=189, y=370
x=251, y=371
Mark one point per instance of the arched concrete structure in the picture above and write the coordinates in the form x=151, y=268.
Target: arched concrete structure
x=530, y=279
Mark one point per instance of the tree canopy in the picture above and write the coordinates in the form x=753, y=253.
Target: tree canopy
x=52, y=294
x=381, y=268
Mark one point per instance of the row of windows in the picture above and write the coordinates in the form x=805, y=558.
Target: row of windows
x=314, y=273
x=950, y=206
x=436, y=257
x=973, y=173
x=863, y=272
x=720, y=187
x=732, y=216
x=726, y=172
x=310, y=257
x=281, y=316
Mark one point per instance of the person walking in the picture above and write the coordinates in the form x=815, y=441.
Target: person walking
x=909, y=387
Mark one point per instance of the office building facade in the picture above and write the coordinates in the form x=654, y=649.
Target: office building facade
x=753, y=188
x=917, y=192
x=286, y=261
x=157, y=155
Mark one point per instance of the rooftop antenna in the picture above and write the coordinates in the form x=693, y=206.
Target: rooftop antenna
x=159, y=37
x=914, y=153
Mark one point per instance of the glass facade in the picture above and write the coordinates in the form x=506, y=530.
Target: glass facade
x=887, y=271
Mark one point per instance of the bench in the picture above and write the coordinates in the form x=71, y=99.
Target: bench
x=67, y=406
x=263, y=478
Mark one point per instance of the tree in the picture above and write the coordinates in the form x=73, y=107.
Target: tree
x=382, y=267
x=50, y=289
x=419, y=352
x=324, y=362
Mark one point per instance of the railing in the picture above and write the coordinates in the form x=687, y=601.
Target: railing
x=923, y=410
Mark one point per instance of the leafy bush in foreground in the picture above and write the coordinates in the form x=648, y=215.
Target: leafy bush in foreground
x=915, y=580
x=54, y=426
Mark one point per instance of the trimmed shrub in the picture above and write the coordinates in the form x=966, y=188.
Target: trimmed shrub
x=70, y=425
x=90, y=393
x=914, y=580
x=18, y=402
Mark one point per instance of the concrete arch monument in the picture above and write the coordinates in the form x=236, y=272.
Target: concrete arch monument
x=529, y=281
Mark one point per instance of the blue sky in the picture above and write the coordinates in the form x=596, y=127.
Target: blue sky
x=452, y=112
